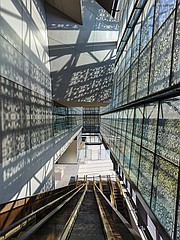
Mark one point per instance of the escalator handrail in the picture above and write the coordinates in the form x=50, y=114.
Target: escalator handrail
x=71, y=221
x=49, y=215
x=14, y=225
x=49, y=194
x=112, y=196
x=123, y=220
x=108, y=233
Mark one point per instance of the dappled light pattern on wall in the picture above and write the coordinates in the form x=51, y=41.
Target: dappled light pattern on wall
x=29, y=146
x=82, y=56
x=24, y=48
x=91, y=84
x=26, y=164
x=24, y=175
x=26, y=119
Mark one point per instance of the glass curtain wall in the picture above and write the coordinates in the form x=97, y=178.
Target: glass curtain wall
x=142, y=123
x=91, y=120
x=66, y=119
x=144, y=140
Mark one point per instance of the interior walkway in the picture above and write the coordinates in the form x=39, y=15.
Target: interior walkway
x=93, y=160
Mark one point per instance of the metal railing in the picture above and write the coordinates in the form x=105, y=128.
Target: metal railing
x=37, y=218
x=115, y=225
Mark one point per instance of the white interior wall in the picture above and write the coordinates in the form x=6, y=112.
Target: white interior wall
x=70, y=155
x=26, y=164
x=82, y=55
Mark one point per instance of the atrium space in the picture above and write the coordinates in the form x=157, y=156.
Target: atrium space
x=92, y=161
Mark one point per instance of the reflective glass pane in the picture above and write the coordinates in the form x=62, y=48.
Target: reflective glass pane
x=133, y=81
x=147, y=23
x=127, y=154
x=135, y=154
x=176, y=53
x=128, y=53
x=178, y=221
x=126, y=87
x=149, y=126
x=120, y=100
x=122, y=64
x=164, y=192
x=145, y=174
x=130, y=123
x=136, y=41
x=168, y=144
x=121, y=150
x=161, y=57
x=163, y=10
x=124, y=122
x=143, y=72
x=137, y=133
x=119, y=123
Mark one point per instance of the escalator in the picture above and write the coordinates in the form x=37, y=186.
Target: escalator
x=79, y=212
